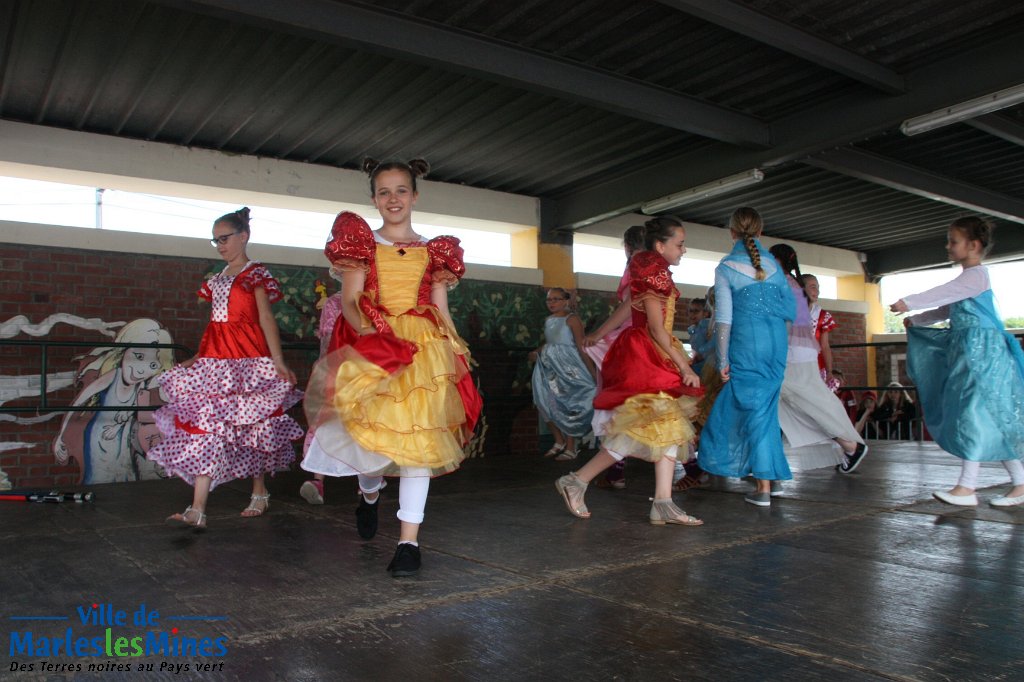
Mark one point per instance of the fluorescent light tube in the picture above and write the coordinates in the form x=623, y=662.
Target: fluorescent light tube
x=706, y=191
x=963, y=111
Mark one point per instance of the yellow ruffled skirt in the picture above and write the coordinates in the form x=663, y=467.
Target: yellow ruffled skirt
x=410, y=422
x=648, y=426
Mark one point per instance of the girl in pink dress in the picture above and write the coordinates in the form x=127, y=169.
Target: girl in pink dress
x=225, y=414
x=597, y=343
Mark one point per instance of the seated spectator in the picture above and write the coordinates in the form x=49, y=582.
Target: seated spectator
x=864, y=415
x=896, y=410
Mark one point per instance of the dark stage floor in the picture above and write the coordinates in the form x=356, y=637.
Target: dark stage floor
x=845, y=577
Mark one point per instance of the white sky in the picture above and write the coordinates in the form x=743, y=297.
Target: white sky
x=56, y=204
x=34, y=201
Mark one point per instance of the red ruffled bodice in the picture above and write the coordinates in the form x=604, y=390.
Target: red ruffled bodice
x=634, y=364
x=234, y=329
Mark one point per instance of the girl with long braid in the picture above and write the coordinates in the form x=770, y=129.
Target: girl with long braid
x=752, y=305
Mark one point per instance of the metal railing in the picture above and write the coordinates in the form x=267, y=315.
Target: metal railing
x=45, y=345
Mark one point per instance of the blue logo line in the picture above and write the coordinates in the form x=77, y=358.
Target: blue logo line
x=37, y=617
x=196, y=618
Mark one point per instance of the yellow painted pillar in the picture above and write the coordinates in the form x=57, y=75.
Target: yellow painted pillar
x=555, y=260
x=854, y=288
x=524, y=248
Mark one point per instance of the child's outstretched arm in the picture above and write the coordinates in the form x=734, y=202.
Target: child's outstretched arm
x=620, y=315
x=269, y=326
x=968, y=284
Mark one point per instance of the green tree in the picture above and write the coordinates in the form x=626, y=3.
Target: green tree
x=893, y=323
x=1014, y=322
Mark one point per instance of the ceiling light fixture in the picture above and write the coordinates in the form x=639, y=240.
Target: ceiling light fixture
x=963, y=111
x=701, y=192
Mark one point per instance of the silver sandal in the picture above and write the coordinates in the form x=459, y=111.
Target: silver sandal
x=572, y=490
x=666, y=511
x=256, y=507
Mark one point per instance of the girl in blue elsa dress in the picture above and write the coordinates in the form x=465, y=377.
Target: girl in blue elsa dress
x=753, y=304
x=969, y=377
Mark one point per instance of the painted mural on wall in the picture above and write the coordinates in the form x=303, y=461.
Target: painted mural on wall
x=16, y=387
x=110, y=446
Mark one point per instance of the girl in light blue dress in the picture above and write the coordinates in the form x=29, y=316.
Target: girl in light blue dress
x=752, y=305
x=563, y=378
x=969, y=377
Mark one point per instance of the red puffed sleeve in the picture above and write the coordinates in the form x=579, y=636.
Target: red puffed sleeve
x=351, y=245
x=648, y=274
x=446, y=263
x=258, y=276
x=826, y=322
x=205, y=292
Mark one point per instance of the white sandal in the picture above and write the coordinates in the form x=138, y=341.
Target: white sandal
x=197, y=520
x=258, y=504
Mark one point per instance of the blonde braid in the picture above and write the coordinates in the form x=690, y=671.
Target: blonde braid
x=755, y=255
x=746, y=223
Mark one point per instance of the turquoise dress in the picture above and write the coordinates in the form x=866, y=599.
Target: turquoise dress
x=742, y=434
x=563, y=387
x=970, y=382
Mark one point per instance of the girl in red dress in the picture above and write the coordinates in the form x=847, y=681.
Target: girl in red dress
x=648, y=388
x=225, y=414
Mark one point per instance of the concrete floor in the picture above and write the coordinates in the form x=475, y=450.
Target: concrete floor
x=855, y=577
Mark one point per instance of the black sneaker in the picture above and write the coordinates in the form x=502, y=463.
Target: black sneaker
x=853, y=460
x=366, y=518
x=406, y=561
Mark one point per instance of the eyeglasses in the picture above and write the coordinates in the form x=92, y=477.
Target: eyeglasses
x=223, y=239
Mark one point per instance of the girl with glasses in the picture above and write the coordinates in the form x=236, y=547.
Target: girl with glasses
x=563, y=377
x=225, y=414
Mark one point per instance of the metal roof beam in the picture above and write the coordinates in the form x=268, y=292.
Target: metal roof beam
x=926, y=253
x=780, y=35
x=1000, y=126
x=913, y=180
x=838, y=123
x=400, y=36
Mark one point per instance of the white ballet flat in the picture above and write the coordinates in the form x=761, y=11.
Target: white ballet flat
x=1004, y=501
x=959, y=500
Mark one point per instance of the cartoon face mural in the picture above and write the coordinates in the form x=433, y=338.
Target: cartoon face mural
x=110, y=446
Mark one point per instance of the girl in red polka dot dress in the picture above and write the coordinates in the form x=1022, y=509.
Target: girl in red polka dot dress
x=225, y=417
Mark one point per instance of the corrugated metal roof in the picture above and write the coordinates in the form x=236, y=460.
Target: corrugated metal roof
x=234, y=76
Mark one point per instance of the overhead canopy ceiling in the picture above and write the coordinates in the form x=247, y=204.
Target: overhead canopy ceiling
x=595, y=106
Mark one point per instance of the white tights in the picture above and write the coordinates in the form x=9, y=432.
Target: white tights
x=969, y=473
x=412, y=494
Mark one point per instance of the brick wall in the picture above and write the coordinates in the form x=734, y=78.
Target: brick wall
x=501, y=322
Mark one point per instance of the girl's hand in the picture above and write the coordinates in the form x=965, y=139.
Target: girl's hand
x=590, y=340
x=899, y=307
x=188, y=363
x=283, y=371
x=907, y=324
x=724, y=372
x=690, y=377
x=532, y=356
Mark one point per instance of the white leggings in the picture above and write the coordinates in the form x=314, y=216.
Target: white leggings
x=412, y=494
x=969, y=473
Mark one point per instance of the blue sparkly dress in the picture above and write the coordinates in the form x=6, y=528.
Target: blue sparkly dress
x=969, y=377
x=563, y=387
x=742, y=434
